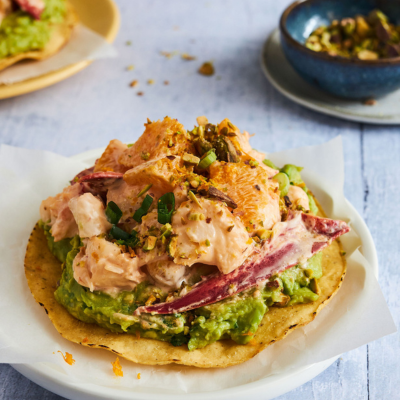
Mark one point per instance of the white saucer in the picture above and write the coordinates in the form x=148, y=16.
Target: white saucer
x=286, y=80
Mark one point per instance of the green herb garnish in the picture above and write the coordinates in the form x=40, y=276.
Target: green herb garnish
x=119, y=234
x=113, y=213
x=144, y=208
x=166, y=206
x=207, y=159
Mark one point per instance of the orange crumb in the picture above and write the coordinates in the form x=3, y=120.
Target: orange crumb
x=134, y=83
x=140, y=93
x=248, y=334
x=150, y=82
x=138, y=375
x=253, y=342
x=117, y=369
x=166, y=82
x=85, y=340
x=138, y=335
x=67, y=358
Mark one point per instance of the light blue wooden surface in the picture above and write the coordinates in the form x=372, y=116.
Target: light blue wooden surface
x=89, y=109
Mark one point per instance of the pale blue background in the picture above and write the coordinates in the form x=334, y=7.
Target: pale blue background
x=89, y=109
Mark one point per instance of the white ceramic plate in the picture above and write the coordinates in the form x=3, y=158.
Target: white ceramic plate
x=287, y=81
x=55, y=380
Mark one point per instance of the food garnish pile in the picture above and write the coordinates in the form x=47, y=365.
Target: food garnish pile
x=369, y=37
x=187, y=237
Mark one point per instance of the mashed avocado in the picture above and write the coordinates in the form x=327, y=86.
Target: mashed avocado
x=237, y=317
x=20, y=32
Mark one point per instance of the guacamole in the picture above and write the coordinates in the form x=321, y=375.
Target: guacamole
x=237, y=317
x=20, y=32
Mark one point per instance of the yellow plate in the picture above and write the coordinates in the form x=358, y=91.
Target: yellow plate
x=102, y=16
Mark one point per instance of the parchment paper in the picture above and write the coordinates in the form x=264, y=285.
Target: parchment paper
x=357, y=315
x=83, y=45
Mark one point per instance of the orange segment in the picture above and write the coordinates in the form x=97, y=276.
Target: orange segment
x=162, y=173
x=240, y=141
x=161, y=138
x=109, y=159
x=255, y=194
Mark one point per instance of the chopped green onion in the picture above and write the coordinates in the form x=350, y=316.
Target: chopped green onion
x=207, y=159
x=166, y=206
x=119, y=234
x=124, y=238
x=144, y=208
x=113, y=213
x=144, y=190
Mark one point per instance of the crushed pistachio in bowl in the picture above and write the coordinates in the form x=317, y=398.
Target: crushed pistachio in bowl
x=369, y=37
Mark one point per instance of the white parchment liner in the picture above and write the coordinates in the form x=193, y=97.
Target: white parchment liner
x=357, y=315
x=83, y=45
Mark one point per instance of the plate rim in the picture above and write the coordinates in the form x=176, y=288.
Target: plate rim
x=54, y=380
x=315, y=106
x=53, y=77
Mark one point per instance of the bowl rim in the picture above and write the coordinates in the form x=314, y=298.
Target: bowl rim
x=324, y=56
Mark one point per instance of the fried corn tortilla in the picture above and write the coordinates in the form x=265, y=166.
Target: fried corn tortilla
x=43, y=270
x=60, y=35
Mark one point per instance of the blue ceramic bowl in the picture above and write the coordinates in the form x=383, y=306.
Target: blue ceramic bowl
x=352, y=79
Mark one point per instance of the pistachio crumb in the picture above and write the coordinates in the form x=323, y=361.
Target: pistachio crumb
x=207, y=69
x=134, y=83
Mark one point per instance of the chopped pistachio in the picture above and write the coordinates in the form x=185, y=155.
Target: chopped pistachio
x=263, y=234
x=363, y=37
x=145, y=155
x=166, y=230
x=172, y=246
x=193, y=197
x=188, y=57
x=134, y=83
x=196, y=217
x=207, y=69
x=314, y=286
x=208, y=244
x=149, y=243
x=190, y=159
x=194, y=183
